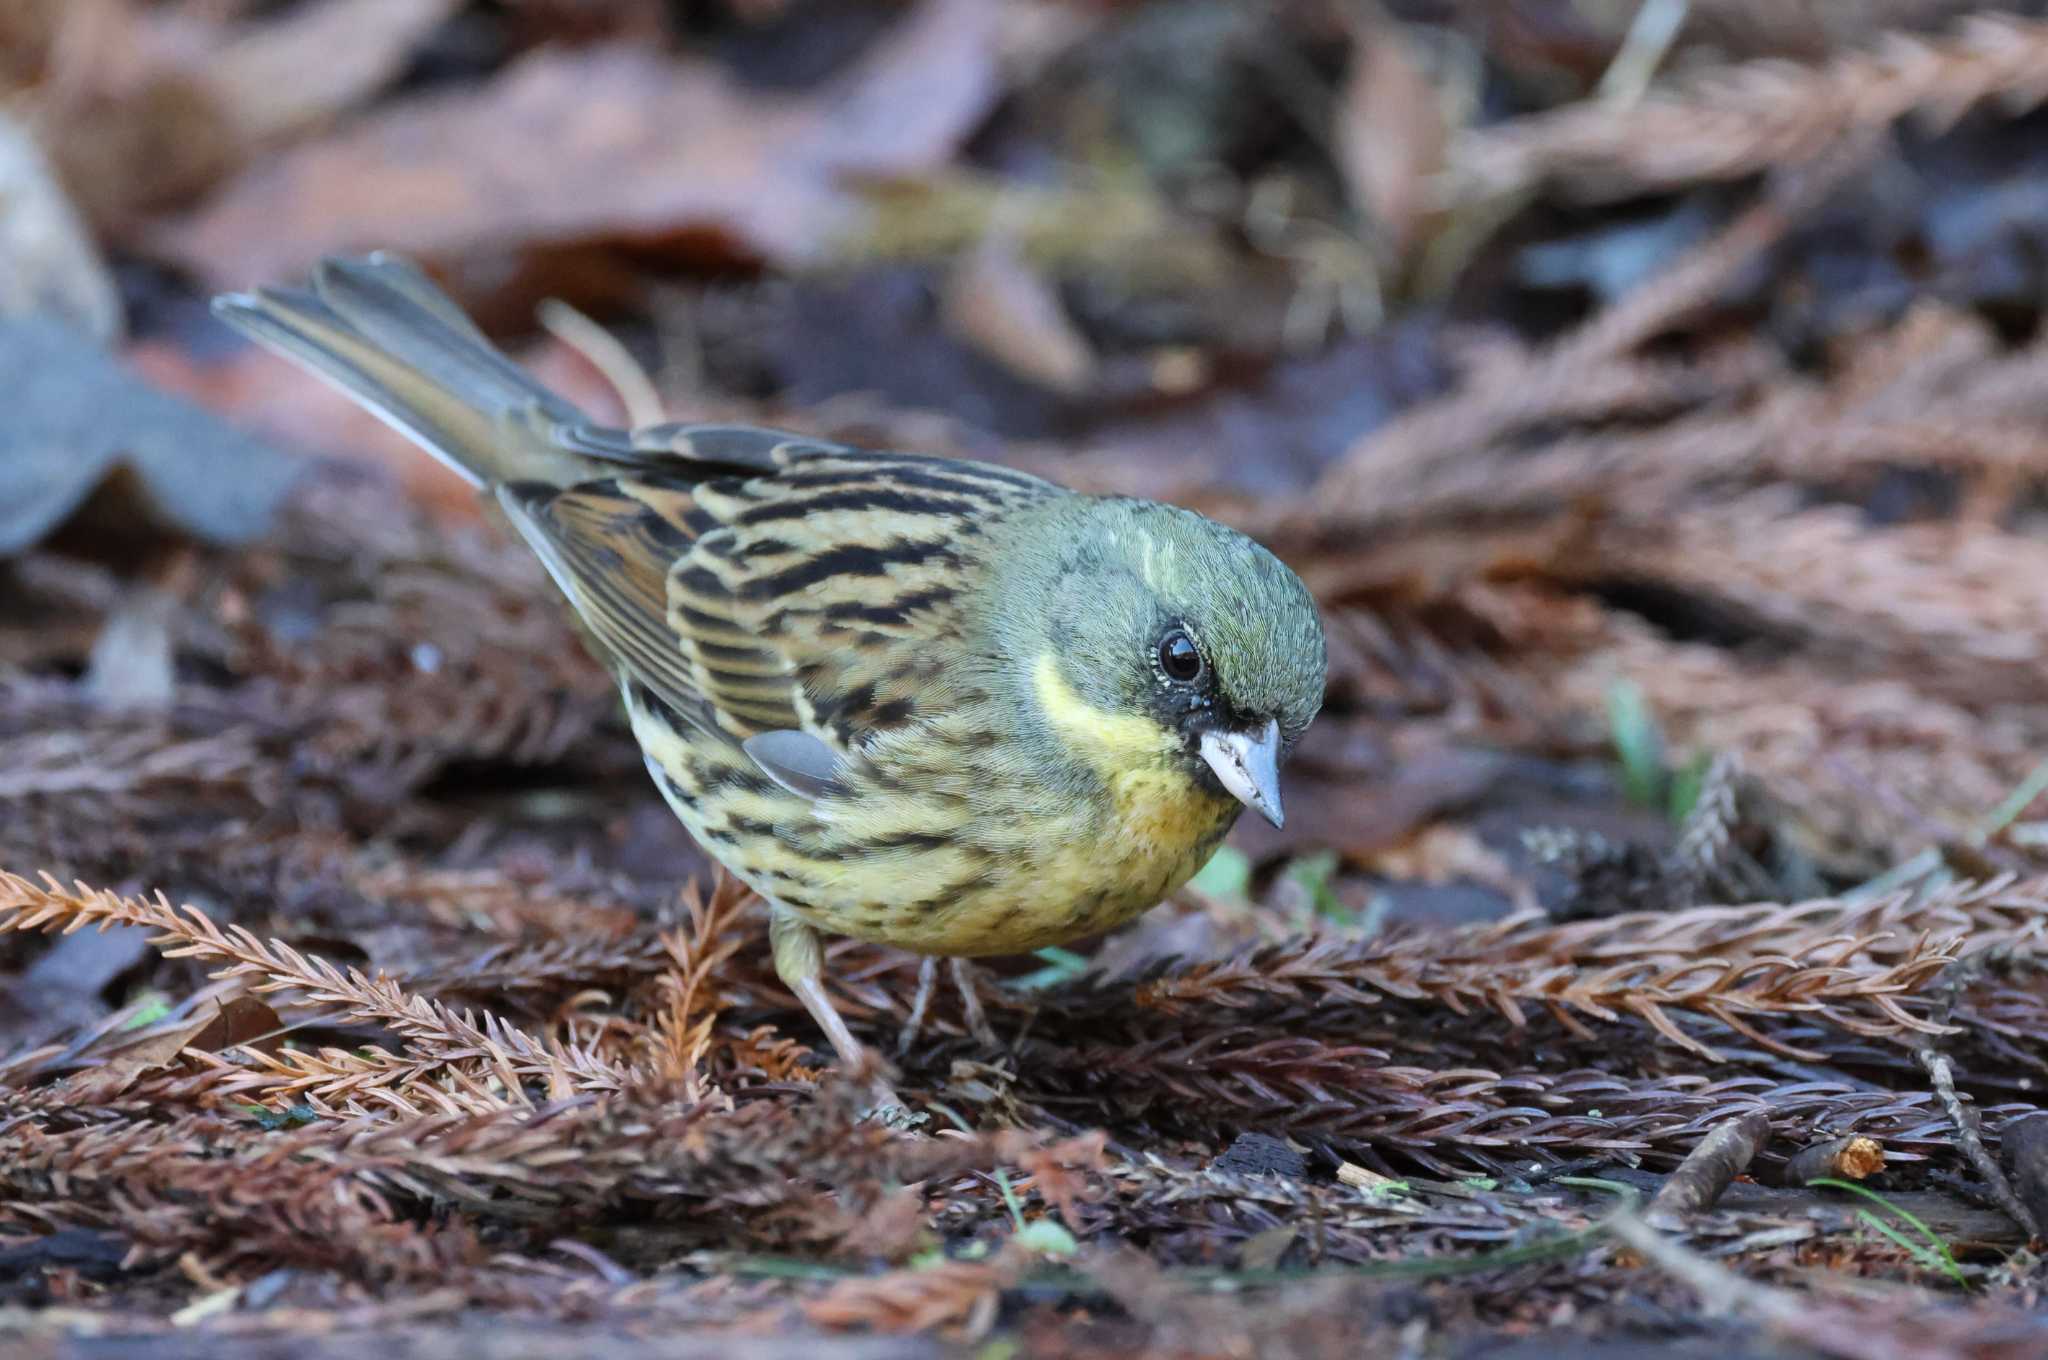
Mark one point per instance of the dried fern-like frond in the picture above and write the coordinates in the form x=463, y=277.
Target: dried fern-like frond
x=681, y=1035
x=328, y=1079
x=1389, y=474
x=1453, y=664
x=1811, y=28
x=1735, y=121
x=1454, y=1120
x=958, y=1296
x=1854, y=966
x=550, y=965
x=443, y=646
x=127, y=761
x=432, y=1029
x=1957, y=607
x=1869, y=767
x=173, y=1196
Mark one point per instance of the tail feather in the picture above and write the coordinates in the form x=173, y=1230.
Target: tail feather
x=381, y=331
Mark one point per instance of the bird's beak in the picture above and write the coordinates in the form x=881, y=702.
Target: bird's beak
x=1248, y=763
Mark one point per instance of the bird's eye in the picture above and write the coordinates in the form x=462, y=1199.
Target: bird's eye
x=1179, y=657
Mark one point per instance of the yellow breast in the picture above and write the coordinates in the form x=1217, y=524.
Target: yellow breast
x=1160, y=815
x=1050, y=873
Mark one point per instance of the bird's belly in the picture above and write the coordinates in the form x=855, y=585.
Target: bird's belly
x=1049, y=879
x=1022, y=870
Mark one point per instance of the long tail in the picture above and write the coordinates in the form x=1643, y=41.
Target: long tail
x=378, y=329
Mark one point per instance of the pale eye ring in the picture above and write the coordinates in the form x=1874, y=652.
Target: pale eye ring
x=1180, y=659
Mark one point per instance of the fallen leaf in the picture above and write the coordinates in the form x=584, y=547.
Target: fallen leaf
x=604, y=143
x=84, y=964
x=79, y=424
x=63, y=989
x=1390, y=133
x=317, y=60
x=146, y=108
x=48, y=263
x=1007, y=310
x=126, y=1065
x=236, y=1021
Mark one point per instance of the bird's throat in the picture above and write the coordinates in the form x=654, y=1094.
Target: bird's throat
x=1157, y=806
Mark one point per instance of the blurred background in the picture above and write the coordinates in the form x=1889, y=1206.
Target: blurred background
x=1655, y=396
x=1649, y=378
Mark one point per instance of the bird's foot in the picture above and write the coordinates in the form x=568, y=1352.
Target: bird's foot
x=927, y=983
x=970, y=1004
x=868, y=1082
x=895, y=1116
x=972, y=1013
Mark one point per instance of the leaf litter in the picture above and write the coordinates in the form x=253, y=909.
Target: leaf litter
x=1666, y=449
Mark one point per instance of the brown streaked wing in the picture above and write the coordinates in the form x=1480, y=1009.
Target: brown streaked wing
x=847, y=567
x=805, y=600
x=694, y=452
x=611, y=555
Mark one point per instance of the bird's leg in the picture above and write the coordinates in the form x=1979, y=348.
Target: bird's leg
x=970, y=1003
x=800, y=963
x=927, y=983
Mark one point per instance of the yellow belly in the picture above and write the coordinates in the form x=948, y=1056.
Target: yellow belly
x=1014, y=871
x=1084, y=874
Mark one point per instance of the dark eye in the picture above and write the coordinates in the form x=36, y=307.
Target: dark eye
x=1179, y=658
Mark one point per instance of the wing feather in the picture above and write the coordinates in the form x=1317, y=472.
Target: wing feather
x=800, y=600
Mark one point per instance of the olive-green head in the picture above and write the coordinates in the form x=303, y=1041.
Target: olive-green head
x=1153, y=611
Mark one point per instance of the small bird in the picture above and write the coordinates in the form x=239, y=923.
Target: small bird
x=933, y=703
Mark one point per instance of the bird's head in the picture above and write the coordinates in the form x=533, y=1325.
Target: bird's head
x=1166, y=637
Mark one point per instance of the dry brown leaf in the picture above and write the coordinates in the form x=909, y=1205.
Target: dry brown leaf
x=1390, y=132
x=158, y=1045
x=1006, y=309
x=125, y=118
x=643, y=146
x=237, y=1021
x=144, y=108
x=317, y=60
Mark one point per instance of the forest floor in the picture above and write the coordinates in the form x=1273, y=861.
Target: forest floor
x=1654, y=397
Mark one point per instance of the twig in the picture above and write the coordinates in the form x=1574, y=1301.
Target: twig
x=1708, y=1170
x=1970, y=1139
x=1854, y=1158
x=608, y=356
x=1720, y=1290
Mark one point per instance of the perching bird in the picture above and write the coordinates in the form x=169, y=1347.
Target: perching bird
x=928, y=702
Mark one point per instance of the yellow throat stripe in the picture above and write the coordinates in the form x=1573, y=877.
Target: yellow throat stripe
x=1112, y=743
x=1159, y=807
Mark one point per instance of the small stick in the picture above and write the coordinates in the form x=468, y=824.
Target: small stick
x=1720, y=1290
x=1942, y=1072
x=2023, y=1143
x=609, y=357
x=1854, y=1158
x=1708, y=1169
